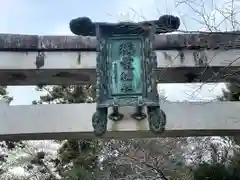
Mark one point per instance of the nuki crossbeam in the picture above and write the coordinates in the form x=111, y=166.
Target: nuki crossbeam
x=65, y=67
x=74, y=121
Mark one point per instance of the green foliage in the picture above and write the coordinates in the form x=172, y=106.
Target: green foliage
x=67, y=94
x=232, y=93
x=3, y=90
x=221, y=165
x=206, y=171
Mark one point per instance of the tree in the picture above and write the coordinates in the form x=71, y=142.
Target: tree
x=220, y=166
x=153, y=158
x=222, y=18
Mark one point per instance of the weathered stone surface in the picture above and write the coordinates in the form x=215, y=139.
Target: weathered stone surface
x=74, y=121
x=216, y=40
x=16, y=42
x=68, y=42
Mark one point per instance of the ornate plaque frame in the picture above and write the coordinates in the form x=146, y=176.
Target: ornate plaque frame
x=125, y=69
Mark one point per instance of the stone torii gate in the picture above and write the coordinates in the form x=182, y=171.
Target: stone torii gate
x=55, y=60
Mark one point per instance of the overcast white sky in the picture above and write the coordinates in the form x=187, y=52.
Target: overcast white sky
x=52, y=17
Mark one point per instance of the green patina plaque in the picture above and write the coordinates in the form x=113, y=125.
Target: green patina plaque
x=125, y=69
x=127, y=73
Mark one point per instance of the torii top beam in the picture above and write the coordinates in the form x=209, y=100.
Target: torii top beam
x=62, y=64
x=183, y=41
